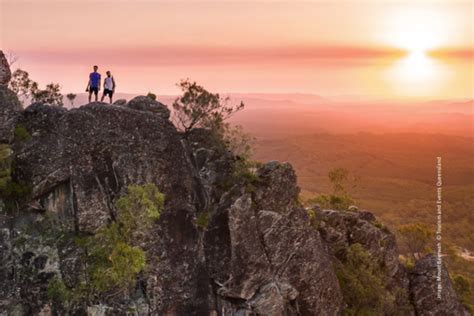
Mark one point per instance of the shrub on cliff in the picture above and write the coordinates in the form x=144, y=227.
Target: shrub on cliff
x=22, y=85
x=463, y=290
x=113, y=253
x=415, y=239
x=50, y=95
x=114, y=257
x=12, y=192
x=28, y=90
x=363, y=284
x=5, y=171
x=199, y=108
x=339, y=199
x=151, y=95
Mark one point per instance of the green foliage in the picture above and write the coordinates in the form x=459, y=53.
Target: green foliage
x=50, y=95
x=138, y=209
x=5, y=167
x=113, y=264
x=10, y=190
x=458, y=266
x=363, y=284
x=331, y=201
x=113, y=257
x=313, y=218
x=198, y=108
x=415, y=239
x=462, y=287
x=58, y=292
x=408, y=262
x=15, y=191
x=339, y=199
x=338, y=177
x=151, y=96
x=27, y=89
x=237, y=141
x=22, y=85
x=113, y=260
x=21, y=133
x=245, y=171
x=380, y=226
x=202, y=220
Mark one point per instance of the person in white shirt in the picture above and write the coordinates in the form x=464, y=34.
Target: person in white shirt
x=109, y=87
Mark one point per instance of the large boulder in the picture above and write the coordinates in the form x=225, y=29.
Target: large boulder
x=96, y=151
x=144, y=103
x=78, y=162
x=432, y=291
x=264, y=256
x=10, y=109
x=340, y=229
x=5, y=73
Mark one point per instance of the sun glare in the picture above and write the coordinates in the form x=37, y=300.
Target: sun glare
x=417, y=32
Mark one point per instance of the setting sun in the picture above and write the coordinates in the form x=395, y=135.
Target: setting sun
x=418, y=32
x=418, y=29
x=369, y=47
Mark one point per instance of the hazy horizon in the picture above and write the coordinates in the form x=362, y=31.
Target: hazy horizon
x=379, y=49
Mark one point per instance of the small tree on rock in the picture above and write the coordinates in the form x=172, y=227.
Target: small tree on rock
x=151, y=95
x=339, y=199
x=199, y=108
x=416, y=238
x=22, y=85
x=51, y=95
x=238, y=141
x=71, y=97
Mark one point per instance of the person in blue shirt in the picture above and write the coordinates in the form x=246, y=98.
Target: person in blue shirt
x=94, y=84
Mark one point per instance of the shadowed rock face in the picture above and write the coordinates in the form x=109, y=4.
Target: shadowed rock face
x=5, y=73
x=265, y=257
x=424, y=290
x=79, y=162
x=10, y=109
x=97, y=151
x=258, y=253
x=342, y=229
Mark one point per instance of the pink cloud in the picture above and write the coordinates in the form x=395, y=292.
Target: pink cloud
x=185, y=55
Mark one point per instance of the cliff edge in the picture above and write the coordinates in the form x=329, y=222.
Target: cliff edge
x=228, y=242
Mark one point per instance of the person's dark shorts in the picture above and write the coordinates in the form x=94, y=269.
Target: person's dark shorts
x=108, y=92
x=94, y=90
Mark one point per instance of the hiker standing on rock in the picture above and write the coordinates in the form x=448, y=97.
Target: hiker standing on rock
x=109, y=87
x=94, y=84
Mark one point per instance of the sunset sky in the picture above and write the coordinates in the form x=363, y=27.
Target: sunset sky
x=384, y=49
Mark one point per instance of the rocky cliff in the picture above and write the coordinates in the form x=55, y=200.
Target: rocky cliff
x=229, y=241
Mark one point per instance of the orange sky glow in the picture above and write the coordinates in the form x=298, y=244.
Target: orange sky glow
x=384, y=49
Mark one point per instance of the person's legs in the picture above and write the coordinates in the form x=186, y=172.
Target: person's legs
x=90, y=95
x=96, y=94
x=103, y=97
x=111, y=93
